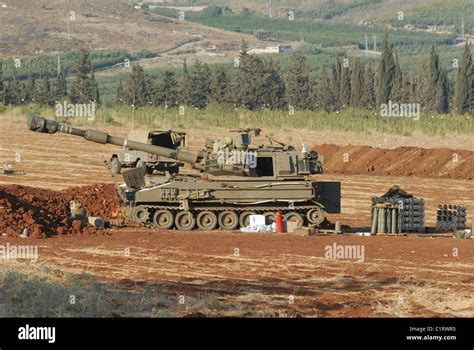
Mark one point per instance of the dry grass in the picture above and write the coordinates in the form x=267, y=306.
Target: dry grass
x=42, y=291
x=441, y=299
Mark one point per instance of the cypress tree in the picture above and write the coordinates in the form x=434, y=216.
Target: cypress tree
x=368, y=97
x=2, y=89
x=14, y=93
x=42, y=92
x=385, y=72
x=248, y=79
x=412, y=89
x=297, y=85
x=61, y=84
x=29, y=88
x=324, y=97
x=463, y=89
x=397, y=94
x=434, y=71
x=471, y=95
x=429, y=82
x=336, y=82
x=442, y=92
x=93, y=88
x=421, y=85
x=357, y=84
x=345, y=87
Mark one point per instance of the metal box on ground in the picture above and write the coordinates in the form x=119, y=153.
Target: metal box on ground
x=451, y=217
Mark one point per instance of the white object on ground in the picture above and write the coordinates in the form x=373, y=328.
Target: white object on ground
x=24, y=233
x=259, y=228
x=362, y=234
x=257, y=220
x=96, y=221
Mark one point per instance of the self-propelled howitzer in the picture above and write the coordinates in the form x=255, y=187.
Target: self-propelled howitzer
x=236, y=177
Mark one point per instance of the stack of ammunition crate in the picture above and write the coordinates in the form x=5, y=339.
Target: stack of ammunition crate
x=451, y=217
x=397, y=215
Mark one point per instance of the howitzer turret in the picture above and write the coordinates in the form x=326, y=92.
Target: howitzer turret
x=239, y=176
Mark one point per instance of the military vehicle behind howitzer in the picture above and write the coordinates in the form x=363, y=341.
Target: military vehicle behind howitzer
x=238, y=176
x=130, y=158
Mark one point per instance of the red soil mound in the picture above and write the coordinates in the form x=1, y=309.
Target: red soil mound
x=402, y=161
x=45, y=212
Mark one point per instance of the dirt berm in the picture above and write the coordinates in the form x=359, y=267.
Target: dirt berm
x=45, y=212
x=402, y=161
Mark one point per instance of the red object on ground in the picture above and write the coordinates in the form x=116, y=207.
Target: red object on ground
x=279, y=222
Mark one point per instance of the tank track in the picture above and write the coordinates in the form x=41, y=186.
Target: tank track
x=145, y=215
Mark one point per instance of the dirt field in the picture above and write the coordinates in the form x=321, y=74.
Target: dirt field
x=258, y=274
x=278, y=275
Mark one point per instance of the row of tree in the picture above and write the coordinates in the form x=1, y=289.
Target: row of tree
x=50, y=86
x=258, y=83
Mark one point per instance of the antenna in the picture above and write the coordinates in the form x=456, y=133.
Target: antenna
x=462, y=27
x=304, y=147
x=375, y=43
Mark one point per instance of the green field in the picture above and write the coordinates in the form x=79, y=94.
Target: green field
x=422, y=13
x=320, y=32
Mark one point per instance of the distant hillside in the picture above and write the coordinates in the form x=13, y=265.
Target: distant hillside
x=45, y=26
x=421, y=13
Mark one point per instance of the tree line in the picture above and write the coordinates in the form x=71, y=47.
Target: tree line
x=50, y=87
x=257, y=83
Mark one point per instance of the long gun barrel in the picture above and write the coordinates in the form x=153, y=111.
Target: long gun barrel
x=40, y=124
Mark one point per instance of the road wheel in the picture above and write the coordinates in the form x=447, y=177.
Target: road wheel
x=115, y=165
x=140, y=214
x=184, y=221
x=207, y=220
x=269, y=217
x=244, y=219
x=228, y=220
x=293, y=216
x=163, y=219
x=316, y=216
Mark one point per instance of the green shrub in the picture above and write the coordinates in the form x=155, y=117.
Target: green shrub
x=211, y=11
